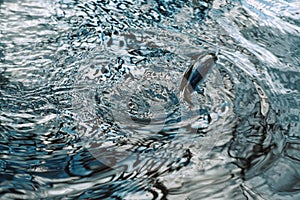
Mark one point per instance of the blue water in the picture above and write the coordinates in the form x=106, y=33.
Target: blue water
x=149, y=99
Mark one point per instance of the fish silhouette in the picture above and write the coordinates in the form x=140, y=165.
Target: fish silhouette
x=195, y=74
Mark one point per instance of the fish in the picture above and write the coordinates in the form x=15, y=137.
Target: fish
x=195, y=74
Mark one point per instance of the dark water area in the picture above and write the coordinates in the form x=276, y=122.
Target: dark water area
x=149, y=99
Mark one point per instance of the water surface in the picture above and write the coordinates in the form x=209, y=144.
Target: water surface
x=91, y=106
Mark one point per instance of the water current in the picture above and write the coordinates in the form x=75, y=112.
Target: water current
x=149, y=99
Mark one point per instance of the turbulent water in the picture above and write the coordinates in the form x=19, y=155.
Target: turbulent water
x=149, y=99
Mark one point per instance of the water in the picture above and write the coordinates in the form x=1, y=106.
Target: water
x=92, y=105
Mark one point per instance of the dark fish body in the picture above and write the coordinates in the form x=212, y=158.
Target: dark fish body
x=195, y=74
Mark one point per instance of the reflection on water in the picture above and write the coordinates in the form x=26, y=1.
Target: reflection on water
x=97, y=100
